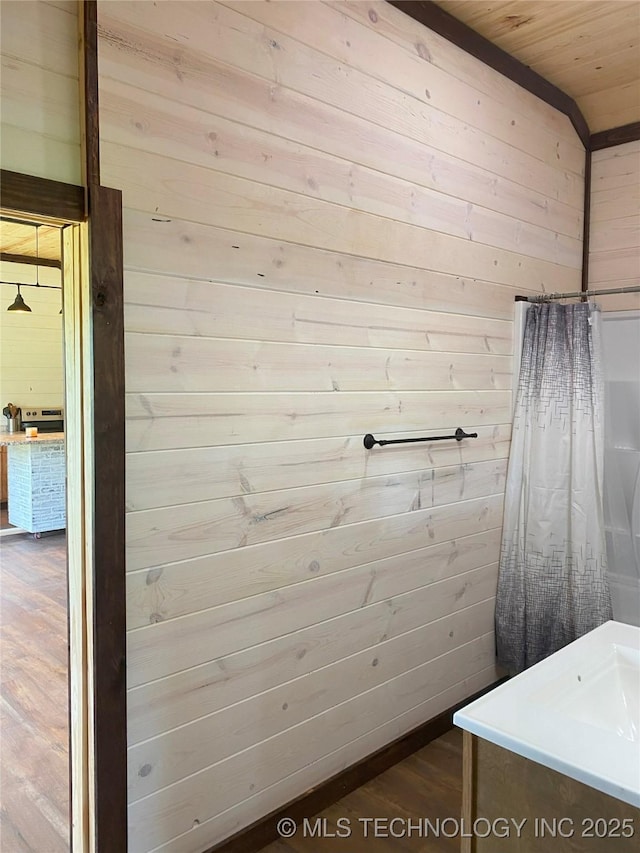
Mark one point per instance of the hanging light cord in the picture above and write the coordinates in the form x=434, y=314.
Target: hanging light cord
x=37, y=257
x=37, y=266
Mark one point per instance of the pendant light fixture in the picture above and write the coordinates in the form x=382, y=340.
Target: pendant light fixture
x=19, y=304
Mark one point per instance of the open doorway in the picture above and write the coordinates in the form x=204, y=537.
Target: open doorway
x=90, y=223
x=34, y=608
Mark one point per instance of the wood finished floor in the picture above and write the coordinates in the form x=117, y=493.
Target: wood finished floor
x=4, y=517
x=34, y=772
x=428, y=784
x=34, y=795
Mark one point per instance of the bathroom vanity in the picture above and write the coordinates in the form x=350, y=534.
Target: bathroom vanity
x=36, y=481
x=552, y=757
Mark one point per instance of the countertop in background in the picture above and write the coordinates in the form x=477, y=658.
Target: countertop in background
x=8, y=438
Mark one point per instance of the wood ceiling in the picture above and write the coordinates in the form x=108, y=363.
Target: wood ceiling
x=19, y=239
x=589, y=49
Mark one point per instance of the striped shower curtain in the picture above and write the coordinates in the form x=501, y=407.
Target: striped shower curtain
x=552, y=585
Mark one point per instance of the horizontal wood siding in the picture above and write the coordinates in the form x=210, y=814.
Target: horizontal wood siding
x=614, y=247
x=31, y=348
x=39, y=88
x=328, y=212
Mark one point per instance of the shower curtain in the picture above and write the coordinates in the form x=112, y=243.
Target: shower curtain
x=552, y=585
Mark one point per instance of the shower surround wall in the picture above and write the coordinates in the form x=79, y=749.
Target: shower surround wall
x=614, y=244
x=621, y=345
x=328, y=211
x=614, y=261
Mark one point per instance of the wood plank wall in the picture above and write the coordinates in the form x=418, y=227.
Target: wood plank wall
x=39, y=88
x=328, y=212
x=31, y=349
x=614, y=247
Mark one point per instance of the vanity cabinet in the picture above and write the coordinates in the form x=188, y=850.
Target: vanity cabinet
x=556, y=749
x=503, y=791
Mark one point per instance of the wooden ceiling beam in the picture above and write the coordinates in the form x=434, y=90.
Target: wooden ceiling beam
x=30, y=260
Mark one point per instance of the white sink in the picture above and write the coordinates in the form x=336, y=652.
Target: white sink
x=603, y=691
x=577, y=712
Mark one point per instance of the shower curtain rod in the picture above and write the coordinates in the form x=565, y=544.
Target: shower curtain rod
x=546, y=297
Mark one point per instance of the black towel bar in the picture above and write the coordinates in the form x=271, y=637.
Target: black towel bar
x=370, y=441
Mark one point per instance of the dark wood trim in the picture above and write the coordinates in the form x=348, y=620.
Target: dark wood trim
x=615, y=136
x=109, y=597
x=441, y=22
x=586, y=227
x=41, y=197
x=109, y=600
x=264, y=831
x=109, y=590
x=89, y=10
x=30, y=260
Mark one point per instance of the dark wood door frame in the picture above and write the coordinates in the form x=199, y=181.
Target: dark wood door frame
x=109, y=594
x=39, y=197
x=102, y=208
